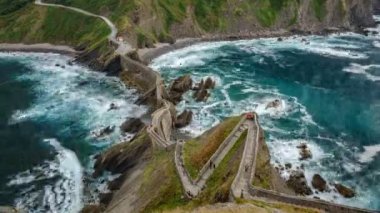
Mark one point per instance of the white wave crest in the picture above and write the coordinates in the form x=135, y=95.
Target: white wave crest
x=59, y=195
x=363, y=69
x=369, y=153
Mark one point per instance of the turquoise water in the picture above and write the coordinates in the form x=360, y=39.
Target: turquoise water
x=47, y=114
x=329, y=89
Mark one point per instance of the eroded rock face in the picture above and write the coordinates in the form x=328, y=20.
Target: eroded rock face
x=298, y=183
x=132, y=125
x=184, y=119
x=180, y=86
x=344, y=190
x=319, y=183
x=123, y=156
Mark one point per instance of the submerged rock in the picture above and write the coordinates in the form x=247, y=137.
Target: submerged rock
x=298, y=183
x=184, y=119
x=132, y=125
x=344, y=190
x=319, y=183
x=273, y=104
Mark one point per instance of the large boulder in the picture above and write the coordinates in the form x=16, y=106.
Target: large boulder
x=184, y=119
x=344, y=190
x=132, y=125
x=180, y=86
x=319, y=183
x=298, y=183
x=201, y=95
x=209, y=83
x=304, y=151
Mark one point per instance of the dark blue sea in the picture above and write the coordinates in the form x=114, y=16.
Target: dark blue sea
x=48, y=113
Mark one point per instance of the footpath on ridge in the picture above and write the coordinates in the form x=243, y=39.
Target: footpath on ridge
x=242, y=187
x=123, y=47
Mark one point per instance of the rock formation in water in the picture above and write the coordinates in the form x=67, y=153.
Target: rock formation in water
x=184, y=119
x=319, y=183
x=180, y=86
x=202, y=89
x=297, y=181
x=344, y=190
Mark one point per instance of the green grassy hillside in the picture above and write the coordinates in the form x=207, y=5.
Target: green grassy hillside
x=28, y=23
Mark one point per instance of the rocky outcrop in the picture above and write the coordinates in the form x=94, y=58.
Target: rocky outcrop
x=180, y=86
x=298, y=183
x=123, y=156
x=202, y=89
x=319, y=183
x=184, y=119
x=344, y=190
x=304, y=152
x=132, y=125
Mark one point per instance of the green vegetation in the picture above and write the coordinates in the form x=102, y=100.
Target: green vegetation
x=268, y=10
x=209, y=13
x=161, y=173
x=198, y=151
x=36, y=24
x=319, y=7
x=219, y=184
x=263, y=174
x=9, y=6
x=161, y=182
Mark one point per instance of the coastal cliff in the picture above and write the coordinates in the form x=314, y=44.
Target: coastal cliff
x=145, y=22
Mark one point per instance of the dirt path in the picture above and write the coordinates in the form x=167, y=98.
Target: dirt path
x=123, y=47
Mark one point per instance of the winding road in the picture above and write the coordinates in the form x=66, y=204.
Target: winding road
x=123, y=47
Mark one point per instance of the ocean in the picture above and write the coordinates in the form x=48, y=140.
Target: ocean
x=329, y=93
x=49, y=111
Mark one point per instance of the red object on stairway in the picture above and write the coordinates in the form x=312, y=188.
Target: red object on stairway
x=249, y=116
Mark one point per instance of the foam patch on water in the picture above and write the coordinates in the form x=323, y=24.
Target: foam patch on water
x=68, y=92
x=376, y=44
x=363, y=69
x=63, y=195
x=370, y=152
x=195, y=55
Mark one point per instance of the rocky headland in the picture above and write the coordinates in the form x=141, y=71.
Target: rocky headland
x=148, y=180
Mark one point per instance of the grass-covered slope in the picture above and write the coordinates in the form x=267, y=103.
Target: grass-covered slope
x=22, y=21
x=199, y=150
x=145, y=22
